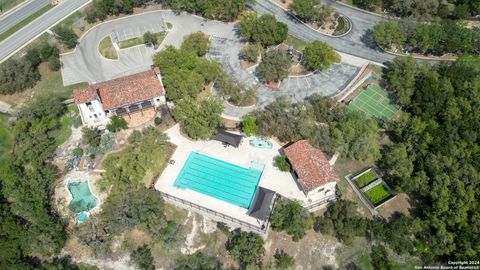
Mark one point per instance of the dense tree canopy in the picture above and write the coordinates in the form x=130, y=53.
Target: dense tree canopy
x=274, y=67
x=198, y=119
x=310, y=11
x=291, y=217
x=196, y=42
x=29, y=226
x=264, y=29
x=327, y=126
x=250, y=52
x=435, y=156
x=428, y=38
x=148, y=150
x=246, y=248
x=341, y=220
x=184, y=73
x=423, y=9
x=224, y=10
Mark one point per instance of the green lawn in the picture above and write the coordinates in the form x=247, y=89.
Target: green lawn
x=377, y=194
x=365, y=179
x=27, y=20
x=5, y=138
x=106, y=48
x=65, y=131
x=52, y=82
x=297, y=44
x=70, y=20
x=139, y=41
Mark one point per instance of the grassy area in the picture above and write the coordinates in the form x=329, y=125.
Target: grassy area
x=169, y=25
x=23, y=23
x=377, y=194
x=139, y=41
x=50, y=83
x=106, y=48
x=5, y=5
x=70, y=20
x=342, y=26
x=297, y=44
x=5, y=138
x=365, y=179
x=65, y=131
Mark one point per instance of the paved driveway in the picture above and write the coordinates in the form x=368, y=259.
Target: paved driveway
x=86, y=64
x=297, y=88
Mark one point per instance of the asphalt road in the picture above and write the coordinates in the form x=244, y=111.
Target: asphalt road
x=37, y=27
x=19, y=14
x=355, y=43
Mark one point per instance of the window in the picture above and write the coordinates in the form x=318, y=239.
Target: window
x=90, y=107
x=158, y=99
x=95, y=115
x=322, y=189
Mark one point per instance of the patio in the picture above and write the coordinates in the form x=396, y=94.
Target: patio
x=272, y=179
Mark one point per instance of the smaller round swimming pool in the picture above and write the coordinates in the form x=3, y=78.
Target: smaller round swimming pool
x=82, y=217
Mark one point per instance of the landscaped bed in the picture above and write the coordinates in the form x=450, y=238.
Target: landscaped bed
x=106, y=49
x=365, y=179
x=139, y=41
x=377, y=194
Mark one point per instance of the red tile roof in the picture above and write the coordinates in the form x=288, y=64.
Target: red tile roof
x=310, y=164
x=122, y=91
x=83, y=95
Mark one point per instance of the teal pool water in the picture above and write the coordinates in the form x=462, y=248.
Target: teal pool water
x=219, y=179
x=82, y=197
x=82, y=217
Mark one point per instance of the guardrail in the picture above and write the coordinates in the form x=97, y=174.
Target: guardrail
x=323, y=202
x=260, y=230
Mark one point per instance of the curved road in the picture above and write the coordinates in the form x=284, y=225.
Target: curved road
x=352, y=43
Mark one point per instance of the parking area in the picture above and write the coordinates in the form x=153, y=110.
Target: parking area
x=121, y=34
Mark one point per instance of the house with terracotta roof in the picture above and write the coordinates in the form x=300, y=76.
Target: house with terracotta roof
x=122, y=97
x=313, y=172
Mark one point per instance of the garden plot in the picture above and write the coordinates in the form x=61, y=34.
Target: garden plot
x=371, y=188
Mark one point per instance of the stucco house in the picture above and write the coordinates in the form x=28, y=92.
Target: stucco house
x=122, y=96
x=313, y=172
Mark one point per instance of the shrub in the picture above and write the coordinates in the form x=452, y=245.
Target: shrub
x=54, y=63
x=250, y=52
x=116, y=124
x=150, y=38
x=249, y=125
x=283, y=261
x=158, y=120
x=77, y=152
x=91, y=136
x=291, y=217
x=66, y=36
x=282, y=164
x=197, y=261
x=142, y=257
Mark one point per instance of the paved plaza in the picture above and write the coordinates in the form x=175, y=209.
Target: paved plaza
x=281, y=182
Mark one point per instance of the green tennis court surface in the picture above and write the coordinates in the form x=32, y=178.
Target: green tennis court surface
x=374, y=101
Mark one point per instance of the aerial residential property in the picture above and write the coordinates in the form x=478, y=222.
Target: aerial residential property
x=122, y=96
x=239, y=134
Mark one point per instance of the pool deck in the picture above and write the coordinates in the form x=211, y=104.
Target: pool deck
x=272, y=178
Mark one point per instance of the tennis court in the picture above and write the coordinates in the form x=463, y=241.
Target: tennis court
x=374, y=101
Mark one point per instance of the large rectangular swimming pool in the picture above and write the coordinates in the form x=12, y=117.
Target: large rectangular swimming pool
x=219, y=179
